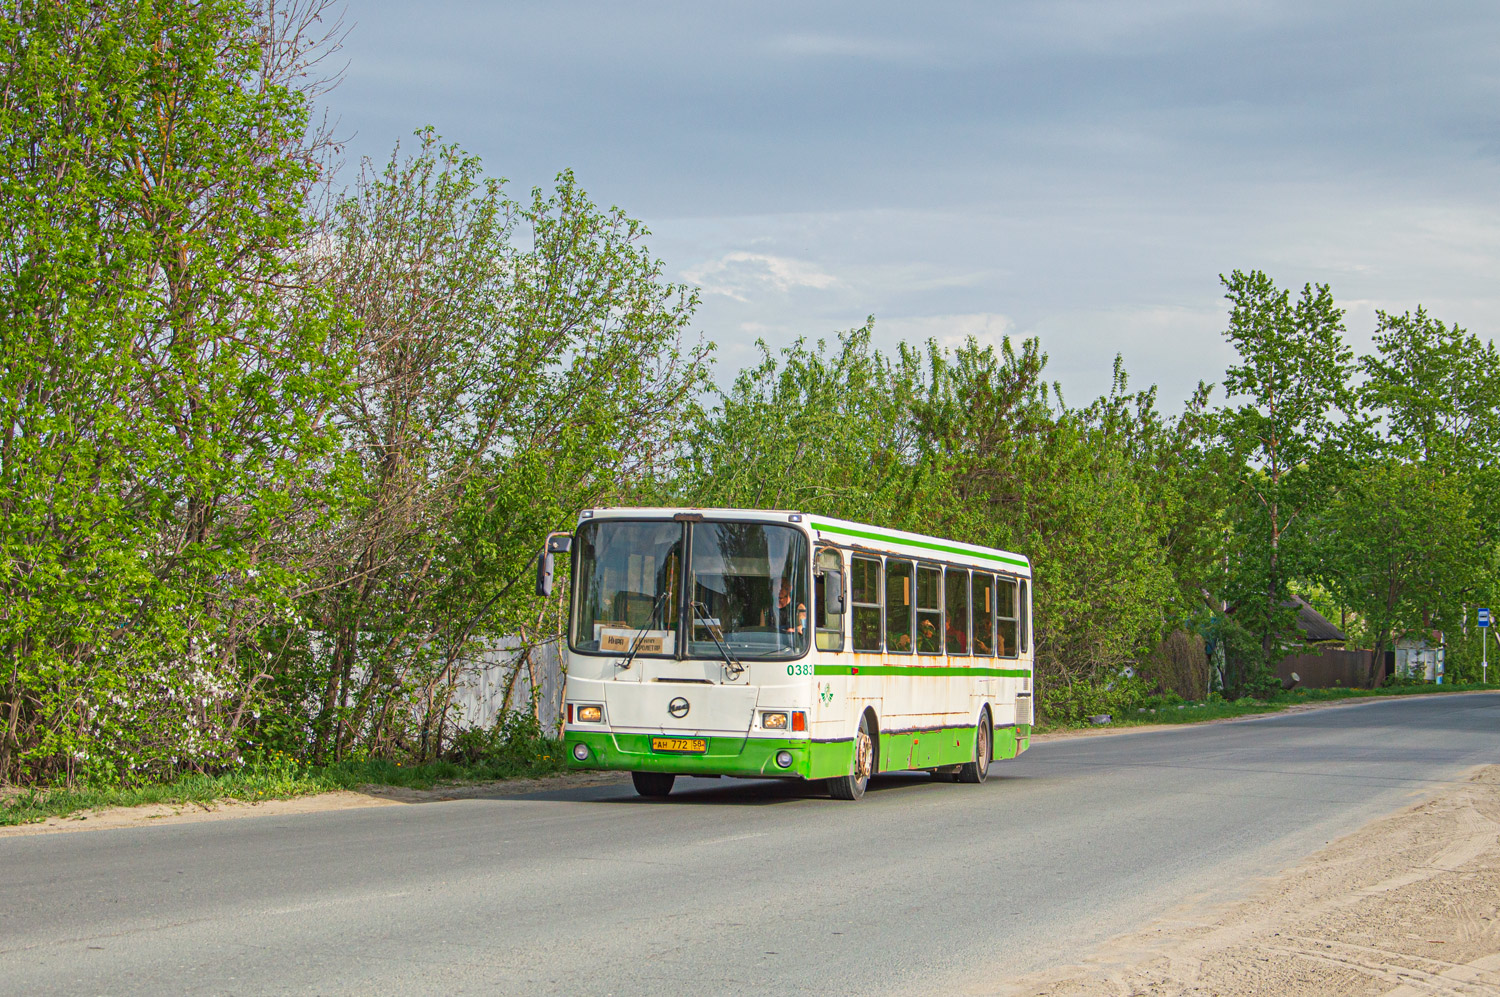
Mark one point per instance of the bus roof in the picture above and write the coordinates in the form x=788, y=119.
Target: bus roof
x=841, y=531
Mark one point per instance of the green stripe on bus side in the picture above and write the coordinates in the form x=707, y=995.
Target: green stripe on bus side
x=830, y=759
x=931, y=671
x=924, y=544
x=751, y=756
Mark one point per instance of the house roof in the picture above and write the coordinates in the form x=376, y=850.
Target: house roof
x=1311, y=623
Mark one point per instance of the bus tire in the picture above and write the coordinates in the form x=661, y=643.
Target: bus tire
x=852, y=786
x=978, y=770
x=653, y=784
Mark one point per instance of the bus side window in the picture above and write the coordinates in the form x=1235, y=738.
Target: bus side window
x=929, y=609
x=1023, y=609
x=1005, y=639
x=898, y=606
x=864, y=587
x=829, y=630
x=957, y=588
x=984, y=614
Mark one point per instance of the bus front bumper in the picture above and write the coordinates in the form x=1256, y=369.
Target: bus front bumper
x=724, y=755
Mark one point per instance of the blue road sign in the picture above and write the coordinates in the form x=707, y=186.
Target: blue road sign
x=1484, y=617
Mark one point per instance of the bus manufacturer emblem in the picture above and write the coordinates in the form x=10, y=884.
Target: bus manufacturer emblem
x=678, y=707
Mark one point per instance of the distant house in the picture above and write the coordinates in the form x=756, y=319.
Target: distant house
x=1323, y=663
x=1313, y=627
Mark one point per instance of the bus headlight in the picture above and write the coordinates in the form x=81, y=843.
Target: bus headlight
x=590, y=714
x=581, y=752
x=773, y=721
x=783, y=758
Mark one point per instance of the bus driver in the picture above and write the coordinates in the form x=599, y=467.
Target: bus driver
x=781, y=615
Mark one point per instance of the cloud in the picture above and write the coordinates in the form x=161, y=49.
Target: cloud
x=989, y=328
x=739, y=275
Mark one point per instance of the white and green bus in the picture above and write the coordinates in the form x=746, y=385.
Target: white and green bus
x=739, y=642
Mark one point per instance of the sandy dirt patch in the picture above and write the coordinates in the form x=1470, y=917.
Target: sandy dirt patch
x=368, y=796
x=1408, y=905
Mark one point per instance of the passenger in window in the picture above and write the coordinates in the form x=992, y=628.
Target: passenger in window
x=927, y=638
x=957, y=638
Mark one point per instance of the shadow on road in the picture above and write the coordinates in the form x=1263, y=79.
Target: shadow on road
x=691, y=790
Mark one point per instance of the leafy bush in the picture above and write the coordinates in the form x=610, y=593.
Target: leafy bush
x=515, y=738
x=1072, y=705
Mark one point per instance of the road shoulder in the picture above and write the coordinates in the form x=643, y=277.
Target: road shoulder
x=1409, y=904
x=374, y=796
x=366, y=796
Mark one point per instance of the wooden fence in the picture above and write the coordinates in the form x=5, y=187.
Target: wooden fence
x=1329, y=668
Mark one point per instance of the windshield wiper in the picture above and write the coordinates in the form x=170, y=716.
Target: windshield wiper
x=640, y=635
x=733, y=667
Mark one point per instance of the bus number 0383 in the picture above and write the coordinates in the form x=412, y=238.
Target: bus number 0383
x=799, y=668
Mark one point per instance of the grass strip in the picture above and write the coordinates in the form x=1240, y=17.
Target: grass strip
x=1188, y=713
x=276, y=778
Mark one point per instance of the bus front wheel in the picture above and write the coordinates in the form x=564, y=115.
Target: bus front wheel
x=654, y=784
x=979, y=769
x=852, y=786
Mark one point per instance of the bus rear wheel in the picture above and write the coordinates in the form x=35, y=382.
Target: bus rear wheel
x=979, y=769
x=852, y=786
x=654, y=784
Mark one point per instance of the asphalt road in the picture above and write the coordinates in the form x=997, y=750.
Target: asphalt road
x=728, y=887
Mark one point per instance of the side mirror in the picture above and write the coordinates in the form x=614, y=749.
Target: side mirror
x=544, y=571
x=546, y=567
x=833, y=592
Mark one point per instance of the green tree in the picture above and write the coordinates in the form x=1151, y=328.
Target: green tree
x=1065, y=487
x=1289, y=437
x=1404, y=542
x=1413, y=526
x=167, y=370
x=515, y=362
x=1437, y=390
x=819, y=430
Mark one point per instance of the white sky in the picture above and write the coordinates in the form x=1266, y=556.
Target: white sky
x=1079, y=171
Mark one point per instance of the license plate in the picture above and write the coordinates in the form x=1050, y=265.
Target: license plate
x=680, y=745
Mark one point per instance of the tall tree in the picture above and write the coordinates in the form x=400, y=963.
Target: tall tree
x=1436, y=388
x=514, y=361
x=825, y=430
x=1403, y=543
x=1289, y=413
x=165, y=372
x=1428, y=491
x=1064, y=487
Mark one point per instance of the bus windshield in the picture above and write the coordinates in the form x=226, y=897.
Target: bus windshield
x=748, y=583
x=629, y=586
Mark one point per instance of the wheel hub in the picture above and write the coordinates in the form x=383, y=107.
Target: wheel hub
x=863, y=755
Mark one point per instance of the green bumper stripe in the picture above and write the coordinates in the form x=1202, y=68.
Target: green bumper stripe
x=924, y=544
x=752, y=756
x=726, y=755
x=933, y=671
